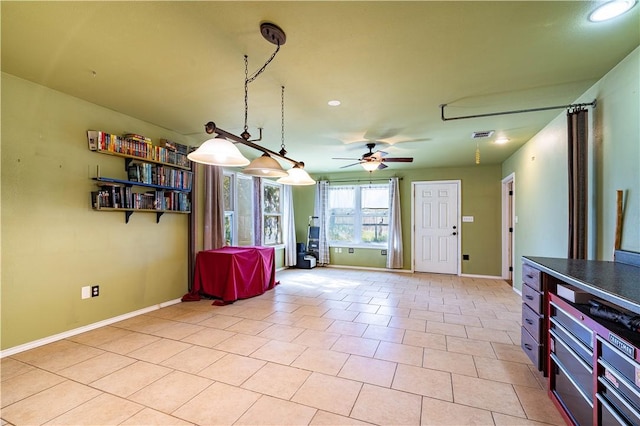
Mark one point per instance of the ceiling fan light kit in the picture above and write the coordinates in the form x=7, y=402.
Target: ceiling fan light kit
x=219, y=151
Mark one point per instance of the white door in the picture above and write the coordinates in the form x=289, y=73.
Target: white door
x=436, y=232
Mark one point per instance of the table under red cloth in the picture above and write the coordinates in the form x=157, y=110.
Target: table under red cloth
x=232, y=273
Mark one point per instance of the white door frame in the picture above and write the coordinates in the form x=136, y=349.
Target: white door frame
x=458, y=183
x=506, y=220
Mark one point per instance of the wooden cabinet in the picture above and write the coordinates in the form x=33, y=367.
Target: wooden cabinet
x=533, y=335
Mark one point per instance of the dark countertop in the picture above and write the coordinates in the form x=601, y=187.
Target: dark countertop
x=617, y=283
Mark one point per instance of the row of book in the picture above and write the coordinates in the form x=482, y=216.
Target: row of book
x=139, y=146
x=121, y=197
x=160, y=175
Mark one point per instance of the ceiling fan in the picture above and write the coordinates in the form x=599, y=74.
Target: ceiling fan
x=371, y=161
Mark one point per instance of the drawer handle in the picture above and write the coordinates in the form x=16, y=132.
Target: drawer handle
x=528, y=297
x=528, y=321
x=528, y=346
x=529, y=276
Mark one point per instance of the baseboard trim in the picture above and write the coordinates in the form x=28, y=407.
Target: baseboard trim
x=488, y=277
x=363, y=268
x=60, y=336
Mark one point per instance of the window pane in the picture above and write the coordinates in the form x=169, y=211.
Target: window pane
x=375, y=229
x=272, y=230
x=375, y=197
x=227, y=191
x=228, y=229
x=245, y=210
x=341, y=228
x=271, y=199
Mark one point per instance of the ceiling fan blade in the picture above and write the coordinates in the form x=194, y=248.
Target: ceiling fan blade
x=382, y=166
x=349, y=165
x=398, y=160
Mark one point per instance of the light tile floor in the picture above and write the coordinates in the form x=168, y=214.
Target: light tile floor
x=325, y=347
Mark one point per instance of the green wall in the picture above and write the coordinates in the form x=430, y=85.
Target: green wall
x=480, y=197
x=541, y=173
x=53, y=243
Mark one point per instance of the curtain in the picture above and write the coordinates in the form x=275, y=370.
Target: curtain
x=394, y=249
x=577, y=122
x=320, y=211
x=257, y=211
x=213, y=223
x=288, y=227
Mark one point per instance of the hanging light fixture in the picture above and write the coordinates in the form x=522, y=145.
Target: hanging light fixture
x=218, y=152
x=264, y=165
x=296, y=175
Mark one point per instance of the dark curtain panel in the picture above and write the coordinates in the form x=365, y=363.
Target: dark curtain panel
x=193, y=222
x=577, y=125
x=213, y=222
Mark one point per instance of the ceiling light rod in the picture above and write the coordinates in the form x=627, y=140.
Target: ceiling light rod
x=211, y=128
x=442, y=106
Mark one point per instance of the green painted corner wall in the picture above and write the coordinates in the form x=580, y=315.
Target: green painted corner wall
x=480, y=198
x=540, y=169
x=53, y=243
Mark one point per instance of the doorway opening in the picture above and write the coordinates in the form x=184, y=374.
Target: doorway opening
x=509, y=219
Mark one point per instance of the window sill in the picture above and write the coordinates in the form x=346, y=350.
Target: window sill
x=360, y=246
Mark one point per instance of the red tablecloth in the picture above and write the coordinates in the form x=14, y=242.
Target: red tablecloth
x=232, y=273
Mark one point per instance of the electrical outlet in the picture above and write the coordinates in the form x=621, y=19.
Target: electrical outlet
x=351, y=250
x=383, y=252
x=465, y=257
x=95, y=291
x=86, y=292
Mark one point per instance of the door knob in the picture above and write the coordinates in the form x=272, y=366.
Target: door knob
x=455, y=233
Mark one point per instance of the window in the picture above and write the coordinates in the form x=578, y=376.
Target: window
x=239, y=200
x=358, y=214
x=238, y=209
x=271, y=213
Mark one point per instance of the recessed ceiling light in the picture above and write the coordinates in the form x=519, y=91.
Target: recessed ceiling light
x=334, y=102
x=611, y=9
x=501, y=141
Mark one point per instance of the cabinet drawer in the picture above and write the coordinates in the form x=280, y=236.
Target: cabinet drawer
x=579, y=371
x=531, y=277
x=533, y=298
x=608, y=415
x=620, y=404
x=574, y=325
x=532, y=322
x=531, y=347
x=628, y=368
x=579, y=408
x=578, y=347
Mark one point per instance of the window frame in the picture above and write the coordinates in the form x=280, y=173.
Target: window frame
x=358, y=218
x=264, y=214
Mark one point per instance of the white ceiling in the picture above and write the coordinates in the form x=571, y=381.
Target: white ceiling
x=181, y=64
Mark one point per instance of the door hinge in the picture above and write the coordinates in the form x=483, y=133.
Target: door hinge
x=510, y=192
x=510, y=268
x=510, y=229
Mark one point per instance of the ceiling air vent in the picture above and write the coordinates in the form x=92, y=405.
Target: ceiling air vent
x=482, y=134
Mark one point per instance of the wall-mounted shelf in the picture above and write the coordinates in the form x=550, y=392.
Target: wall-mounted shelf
x=164, y=169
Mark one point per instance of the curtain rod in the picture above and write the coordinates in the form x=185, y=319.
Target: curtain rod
x=358, y=180
x=442, y=106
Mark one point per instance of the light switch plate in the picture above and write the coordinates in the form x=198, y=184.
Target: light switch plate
x=467, y=218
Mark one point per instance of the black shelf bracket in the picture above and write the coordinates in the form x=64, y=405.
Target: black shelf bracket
x=158, y=216
x=127, y=215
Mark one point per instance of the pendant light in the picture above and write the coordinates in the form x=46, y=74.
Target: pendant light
x=295, y=175
x=218, y=152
